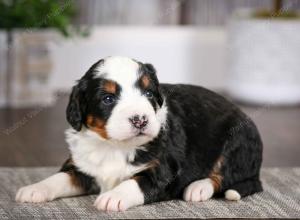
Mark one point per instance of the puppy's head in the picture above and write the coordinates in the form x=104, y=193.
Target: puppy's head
x=119, y=99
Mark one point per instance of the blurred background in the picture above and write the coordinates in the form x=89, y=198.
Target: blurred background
x=246, y=50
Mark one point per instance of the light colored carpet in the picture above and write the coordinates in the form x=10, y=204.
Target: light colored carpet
x=280, y=199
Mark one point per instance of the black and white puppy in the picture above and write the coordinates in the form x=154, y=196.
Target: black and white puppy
x=138, y=141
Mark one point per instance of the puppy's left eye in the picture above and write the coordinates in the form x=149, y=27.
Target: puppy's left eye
x=108, y=99
x=149, y=94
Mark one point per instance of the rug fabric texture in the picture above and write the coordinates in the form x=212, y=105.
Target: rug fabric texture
x=280, y=199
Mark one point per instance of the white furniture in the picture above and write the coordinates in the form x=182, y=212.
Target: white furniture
x=264, y=59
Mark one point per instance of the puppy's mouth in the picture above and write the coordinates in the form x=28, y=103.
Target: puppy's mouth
x=140, y=133
x=138, y=136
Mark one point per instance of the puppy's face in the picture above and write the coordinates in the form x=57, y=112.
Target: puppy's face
x=119, y=99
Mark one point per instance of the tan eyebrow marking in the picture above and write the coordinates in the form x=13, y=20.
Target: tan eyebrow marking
x=145, y=81
x=110, y=87
x=97, y=125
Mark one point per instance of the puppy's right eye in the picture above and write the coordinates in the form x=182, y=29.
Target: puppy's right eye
x=149, y=94
x=108, y=99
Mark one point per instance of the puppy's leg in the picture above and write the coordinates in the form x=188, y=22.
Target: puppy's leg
x=127, y=194
x=68, y=182
x=56, y=186
x=145, y=187
x=200, y=190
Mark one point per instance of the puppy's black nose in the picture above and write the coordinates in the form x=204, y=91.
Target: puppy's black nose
x=139, y=121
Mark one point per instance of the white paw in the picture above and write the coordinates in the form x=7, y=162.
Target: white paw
x=111, y=201
x=200, y=190
x=34, y=193
x=124, y=196
x=232, y=195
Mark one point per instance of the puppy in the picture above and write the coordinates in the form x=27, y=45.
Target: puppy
x=137, y=141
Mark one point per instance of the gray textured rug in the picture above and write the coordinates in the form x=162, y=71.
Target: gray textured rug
x=280, y=199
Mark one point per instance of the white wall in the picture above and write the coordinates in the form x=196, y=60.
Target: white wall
x=180, y=54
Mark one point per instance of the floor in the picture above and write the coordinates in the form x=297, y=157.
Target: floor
x=279, y=200
x=35, y=137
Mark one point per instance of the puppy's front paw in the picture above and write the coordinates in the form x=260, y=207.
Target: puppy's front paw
x=124, y=196
x=111, y=201
x=34, y=193
x=200, y=190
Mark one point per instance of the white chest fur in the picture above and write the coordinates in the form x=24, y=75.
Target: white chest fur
x=107, y=163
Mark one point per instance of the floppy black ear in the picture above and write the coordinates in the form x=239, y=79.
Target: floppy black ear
x=75, y=108
x=149, y=68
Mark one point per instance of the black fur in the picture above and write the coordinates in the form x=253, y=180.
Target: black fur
x=76, y=109
x=202, y=126
x=82, y=180
x=203, y=130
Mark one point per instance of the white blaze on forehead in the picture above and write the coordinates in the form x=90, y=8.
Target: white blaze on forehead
x=131, y=101
x=122, y=70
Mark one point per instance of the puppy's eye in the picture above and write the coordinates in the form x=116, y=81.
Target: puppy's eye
x=149, y=94
x=108, y=99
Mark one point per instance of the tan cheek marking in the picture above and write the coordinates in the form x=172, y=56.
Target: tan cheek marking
x=97, y=125
x=110, y=87
x=145, y=81
x=216, y=176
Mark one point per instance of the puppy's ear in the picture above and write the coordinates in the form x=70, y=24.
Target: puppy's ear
x=76, y=108
x=149, y=68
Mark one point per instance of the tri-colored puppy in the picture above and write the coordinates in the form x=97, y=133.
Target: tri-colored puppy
x=140, y=142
